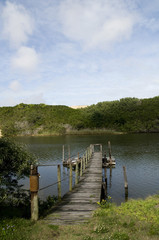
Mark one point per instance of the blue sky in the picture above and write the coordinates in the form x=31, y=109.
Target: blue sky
x=78, y=52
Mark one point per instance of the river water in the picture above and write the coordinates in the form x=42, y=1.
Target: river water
x=139, y=153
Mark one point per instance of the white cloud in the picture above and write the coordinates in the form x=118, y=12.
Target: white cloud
x=35, y=98
x=17, y=24
x=26, y=59
x=97, y=23
x=15, y=86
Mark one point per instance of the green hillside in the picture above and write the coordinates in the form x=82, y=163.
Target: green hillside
x=36, y=119
x=126, y=115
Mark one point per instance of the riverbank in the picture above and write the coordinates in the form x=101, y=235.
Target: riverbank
x=136, y=219
x=71, y=132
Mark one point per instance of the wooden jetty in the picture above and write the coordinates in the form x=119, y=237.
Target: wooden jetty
x=77, y=206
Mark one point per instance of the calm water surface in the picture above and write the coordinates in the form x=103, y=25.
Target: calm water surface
x=138, y=152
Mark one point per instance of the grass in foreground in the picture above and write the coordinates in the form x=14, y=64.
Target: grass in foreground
x=136, y=219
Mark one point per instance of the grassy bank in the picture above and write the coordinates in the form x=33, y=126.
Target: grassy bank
x=96, y=131
x=136, y=219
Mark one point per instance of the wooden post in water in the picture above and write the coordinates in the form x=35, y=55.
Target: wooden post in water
x=76, y=178
x=59, y=181
x=34, y=187
x=105, y=175
x=70, y=180
x=125, y=183
x=63, y=153
x=109, y=147
x=110, y=177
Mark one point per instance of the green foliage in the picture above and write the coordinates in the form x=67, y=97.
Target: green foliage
x=105, y=203
x=54, y=227
x=14, y=164
x=135, y=219
x=127, y=115
x=22, y=229
x=101, y=228
x=45, y=206
x=119, y=236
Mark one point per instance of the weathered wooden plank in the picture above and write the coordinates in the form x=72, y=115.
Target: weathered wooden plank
x=77, y=205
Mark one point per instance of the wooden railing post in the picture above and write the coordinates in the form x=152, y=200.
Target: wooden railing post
x=70, y=180
x=76, y=178
x=81, y=168
x=91, y=150
x=84, y=163
x=59, y=181
x=86, y=158
x=63, y=154
x=69, y=154
x=34, y=187
x=100, y=147
x=88, y=153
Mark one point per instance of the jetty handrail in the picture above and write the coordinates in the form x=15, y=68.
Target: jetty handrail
x=69, y=157
x=34, y=179
x=53, y=184
x=54, y=165
x=47, y=165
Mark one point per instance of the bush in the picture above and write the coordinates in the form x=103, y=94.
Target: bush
x=14, y=165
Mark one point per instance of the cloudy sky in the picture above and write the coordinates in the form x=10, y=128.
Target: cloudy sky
x=78, y=52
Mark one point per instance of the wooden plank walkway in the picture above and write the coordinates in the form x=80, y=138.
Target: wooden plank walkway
x=77, y=206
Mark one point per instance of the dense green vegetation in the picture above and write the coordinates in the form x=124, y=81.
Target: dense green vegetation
x=126, y=115
x=136, y=219
x=37, y=119
x=14, y=165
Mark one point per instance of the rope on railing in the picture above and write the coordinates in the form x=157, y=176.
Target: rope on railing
x=58, y=158
x=47, y=165
x=53, y=183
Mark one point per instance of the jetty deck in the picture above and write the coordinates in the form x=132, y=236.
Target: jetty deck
x=77, y=206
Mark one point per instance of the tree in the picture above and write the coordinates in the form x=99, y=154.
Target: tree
x=15, y=164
